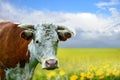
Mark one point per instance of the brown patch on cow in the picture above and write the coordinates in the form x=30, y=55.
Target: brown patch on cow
x=13, y=49
x=2, y=74
x=68, y=35
x=25, y=59
x=62, y=37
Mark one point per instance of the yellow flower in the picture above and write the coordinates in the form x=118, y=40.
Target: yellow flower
x=99, y=72
x=83, y=74
x=116, y=72
x=90, y=75
x=108, y=72
x=62, y=73
x=82, y=78
x=51, y=74
x=74, y=77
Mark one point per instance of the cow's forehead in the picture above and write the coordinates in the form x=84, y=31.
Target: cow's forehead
x=46, y=31
x=45, y=27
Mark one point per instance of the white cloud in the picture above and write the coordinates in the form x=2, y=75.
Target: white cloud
x=105, y=4
x=92, y=26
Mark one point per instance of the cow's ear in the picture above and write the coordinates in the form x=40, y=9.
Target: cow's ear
x=64, y=33
x=26, y=34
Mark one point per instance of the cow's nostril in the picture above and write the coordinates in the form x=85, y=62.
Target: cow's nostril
x=51, y=64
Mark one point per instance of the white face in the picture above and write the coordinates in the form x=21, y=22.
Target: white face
x=45, y=43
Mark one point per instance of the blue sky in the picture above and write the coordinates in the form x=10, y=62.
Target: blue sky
x=58, y=5
x=97, y=22
x=61, y=5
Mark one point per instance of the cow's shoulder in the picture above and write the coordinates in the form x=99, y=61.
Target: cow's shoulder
x=13, y=49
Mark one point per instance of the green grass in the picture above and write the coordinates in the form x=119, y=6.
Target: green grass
x=73, y=60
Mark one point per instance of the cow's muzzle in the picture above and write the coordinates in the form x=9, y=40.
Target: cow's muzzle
x=51, y=64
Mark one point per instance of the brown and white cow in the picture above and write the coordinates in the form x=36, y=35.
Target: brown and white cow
x=22, y=47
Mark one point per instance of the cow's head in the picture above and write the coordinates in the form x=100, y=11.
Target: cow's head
x=44, y=44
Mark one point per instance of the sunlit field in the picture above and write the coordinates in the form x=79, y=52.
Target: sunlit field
x=84, y=64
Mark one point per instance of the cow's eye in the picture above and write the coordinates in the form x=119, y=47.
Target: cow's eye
x=37, y=41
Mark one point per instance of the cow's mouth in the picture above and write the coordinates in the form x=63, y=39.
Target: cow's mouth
x=51, y=68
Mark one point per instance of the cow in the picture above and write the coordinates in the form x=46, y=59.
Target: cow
x=23, y=46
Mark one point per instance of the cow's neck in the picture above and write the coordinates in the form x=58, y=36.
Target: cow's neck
x=33, y=61
x=18, y=73
x=25, y=73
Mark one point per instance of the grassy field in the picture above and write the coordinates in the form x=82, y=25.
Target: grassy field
x=84, y=64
